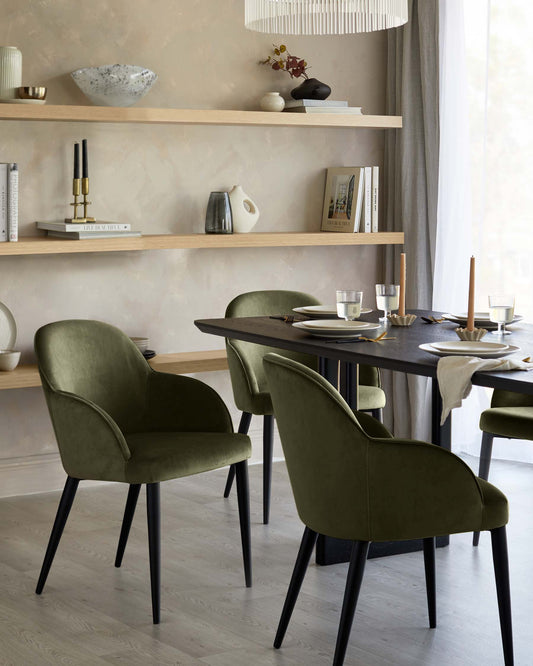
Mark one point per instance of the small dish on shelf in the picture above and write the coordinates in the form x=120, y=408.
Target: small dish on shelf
x=9, y=359
x=22, y=101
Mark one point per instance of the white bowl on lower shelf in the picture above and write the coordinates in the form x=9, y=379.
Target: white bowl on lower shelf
x=141, y=343
x=9, y=359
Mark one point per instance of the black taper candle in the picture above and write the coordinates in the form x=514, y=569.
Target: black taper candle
x=76, y=160
x=85, y=160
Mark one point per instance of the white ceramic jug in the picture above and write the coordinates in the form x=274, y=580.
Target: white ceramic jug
x=245, y=212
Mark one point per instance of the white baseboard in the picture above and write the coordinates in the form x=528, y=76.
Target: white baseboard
x=31, y=474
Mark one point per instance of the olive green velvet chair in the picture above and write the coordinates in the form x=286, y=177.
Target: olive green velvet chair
x=248, y=378
x=116, y=419
x=510, y=416
x=352, y=480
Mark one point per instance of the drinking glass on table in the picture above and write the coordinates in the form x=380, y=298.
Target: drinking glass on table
x=501, y=311
x=349, y=304
x=387, y=299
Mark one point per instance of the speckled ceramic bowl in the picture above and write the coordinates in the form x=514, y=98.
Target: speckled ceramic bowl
x=114, y=85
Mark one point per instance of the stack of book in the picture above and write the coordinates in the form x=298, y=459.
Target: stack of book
x=351, y=199
x=9, y=202
x=320, y=106
x=81, y=231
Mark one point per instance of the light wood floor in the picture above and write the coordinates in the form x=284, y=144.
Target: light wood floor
x=91, y=613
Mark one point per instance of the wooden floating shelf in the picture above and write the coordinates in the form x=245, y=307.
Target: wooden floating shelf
x=27, y=376
x=44, y=245
x=112, y=114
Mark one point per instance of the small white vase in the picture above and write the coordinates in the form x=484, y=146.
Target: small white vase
x=10, y=72
x=244, y=211
x=272, y=101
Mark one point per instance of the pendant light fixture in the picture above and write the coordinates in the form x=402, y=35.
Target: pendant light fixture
x=323, y=17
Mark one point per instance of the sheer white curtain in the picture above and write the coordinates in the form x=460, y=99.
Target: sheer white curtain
x=482, y=210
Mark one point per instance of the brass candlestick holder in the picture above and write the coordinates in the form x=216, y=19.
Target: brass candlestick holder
x=80, y=186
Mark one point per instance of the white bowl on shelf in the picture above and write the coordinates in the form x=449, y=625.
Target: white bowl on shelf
x=9, y=359
x=141, y=343
x=114, y=85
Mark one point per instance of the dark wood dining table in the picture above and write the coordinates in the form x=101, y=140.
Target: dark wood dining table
x=401, y=354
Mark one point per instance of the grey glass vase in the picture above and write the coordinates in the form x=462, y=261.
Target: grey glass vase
x=218, y=219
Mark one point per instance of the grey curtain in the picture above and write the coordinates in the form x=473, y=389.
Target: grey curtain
x=411, y=173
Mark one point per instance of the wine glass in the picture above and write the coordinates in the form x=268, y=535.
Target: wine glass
x=387, y=299
x=501, y=311
x=349, y=304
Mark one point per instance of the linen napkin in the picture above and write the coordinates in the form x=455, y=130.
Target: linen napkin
x=454, y=374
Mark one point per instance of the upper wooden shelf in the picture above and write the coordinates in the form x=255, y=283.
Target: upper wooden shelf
x=44, y=245
x=112, y=114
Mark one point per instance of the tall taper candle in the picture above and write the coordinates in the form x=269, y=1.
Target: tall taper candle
x=470, y=323
x=85, y=160
x=401, y=307
x=76, y=160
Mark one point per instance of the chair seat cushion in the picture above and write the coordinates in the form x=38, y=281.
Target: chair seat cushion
x=513, y=422
x=495, y=507
x=159, y=456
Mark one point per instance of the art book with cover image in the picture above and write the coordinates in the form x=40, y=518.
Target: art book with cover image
x=343, y=199
x=351, y=199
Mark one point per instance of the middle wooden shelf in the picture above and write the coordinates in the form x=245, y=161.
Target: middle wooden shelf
x=43, y=245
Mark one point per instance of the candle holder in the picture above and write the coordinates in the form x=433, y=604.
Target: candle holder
x=401, y=320
x=80, y=186
x=475, y=334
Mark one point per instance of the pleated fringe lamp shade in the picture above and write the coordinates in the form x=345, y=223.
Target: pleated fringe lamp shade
x=323, y=17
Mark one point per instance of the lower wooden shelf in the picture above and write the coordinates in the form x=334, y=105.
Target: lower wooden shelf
x=182, y=363
x=44, y=245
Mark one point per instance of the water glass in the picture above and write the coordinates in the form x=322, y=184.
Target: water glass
x=387, y=299
x=349, y=304
x=501, y=311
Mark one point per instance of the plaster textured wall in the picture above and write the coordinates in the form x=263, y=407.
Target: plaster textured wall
x=159, y=178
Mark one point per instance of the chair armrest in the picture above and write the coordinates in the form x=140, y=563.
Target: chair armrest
x=418, y=490
x=371, y=426
x=90, y=442
x=184, y=404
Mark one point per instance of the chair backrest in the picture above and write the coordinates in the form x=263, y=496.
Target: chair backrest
x=325, y=449
x=97, y=362
x=510, y=399
x=245, y=359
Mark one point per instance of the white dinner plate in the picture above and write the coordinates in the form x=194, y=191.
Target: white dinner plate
x=8, y=328
x=336, y=328
x=428, y=346
x=470, y=346
x=479, y=317
x=323, y=310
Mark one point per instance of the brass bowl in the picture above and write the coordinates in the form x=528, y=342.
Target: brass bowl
x=31, y=92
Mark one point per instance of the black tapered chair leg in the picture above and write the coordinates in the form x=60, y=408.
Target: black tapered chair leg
x=484, y=466
x=243, y=496
x=501, y=574
x=154, y=546
x=129, y=512
x=65, y=504
x=268, y=445
x=302, y=561
x=377, y=414
x=353, y=586
x=431, y=588
x=244, y=426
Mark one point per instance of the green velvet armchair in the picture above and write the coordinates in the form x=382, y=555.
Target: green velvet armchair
x=116, y=419
x=248, y=380
x=510, y=416
x=352, y=480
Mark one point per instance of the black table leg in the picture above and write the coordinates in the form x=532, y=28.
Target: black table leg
x=333, y=551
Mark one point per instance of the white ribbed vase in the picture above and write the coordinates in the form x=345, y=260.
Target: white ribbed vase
x=10, y=71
